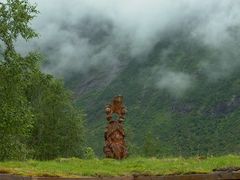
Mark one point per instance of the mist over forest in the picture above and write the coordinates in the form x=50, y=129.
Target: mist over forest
x=176, y=63
x=79, y=35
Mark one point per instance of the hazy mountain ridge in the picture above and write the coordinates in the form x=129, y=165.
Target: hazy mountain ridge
x=199, y=120
x=177, y=65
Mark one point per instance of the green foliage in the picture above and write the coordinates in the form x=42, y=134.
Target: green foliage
x=37, y=116
x=58, y=128
x=15, y=16
x=15, y=110
x=149, y=145
x=89, y=153
x=74, y=167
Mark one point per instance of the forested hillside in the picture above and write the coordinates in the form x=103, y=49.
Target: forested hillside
x=176, y=106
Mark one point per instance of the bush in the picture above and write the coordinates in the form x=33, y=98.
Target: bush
x=89, y=153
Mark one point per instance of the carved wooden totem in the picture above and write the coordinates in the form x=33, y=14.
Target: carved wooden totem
x=115, y=146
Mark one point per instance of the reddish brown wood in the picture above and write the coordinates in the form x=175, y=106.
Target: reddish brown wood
x=115, y=146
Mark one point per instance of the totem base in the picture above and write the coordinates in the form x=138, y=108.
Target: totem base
x=115, y=146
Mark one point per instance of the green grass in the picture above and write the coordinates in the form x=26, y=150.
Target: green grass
x=74, y=167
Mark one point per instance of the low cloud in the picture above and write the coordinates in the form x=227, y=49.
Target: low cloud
x=177, y=83
x=78, y=35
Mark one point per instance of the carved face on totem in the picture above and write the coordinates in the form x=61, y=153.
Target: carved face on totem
x=116, y=107
x=117, y=137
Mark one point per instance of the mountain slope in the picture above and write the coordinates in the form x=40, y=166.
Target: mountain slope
x=181, y=100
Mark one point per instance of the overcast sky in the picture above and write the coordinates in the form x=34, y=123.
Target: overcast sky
x=85, y=33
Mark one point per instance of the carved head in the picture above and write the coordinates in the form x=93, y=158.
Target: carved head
x=118, y=100
x=116, y=108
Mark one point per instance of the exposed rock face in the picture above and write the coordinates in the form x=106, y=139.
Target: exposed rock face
x=224, y=108
x=115, y=146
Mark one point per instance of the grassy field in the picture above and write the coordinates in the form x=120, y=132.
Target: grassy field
x=74, y=167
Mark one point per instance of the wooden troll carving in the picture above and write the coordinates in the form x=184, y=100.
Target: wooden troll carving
x=115, y=146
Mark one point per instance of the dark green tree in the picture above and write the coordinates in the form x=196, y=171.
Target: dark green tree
x=15, y=71
x=58, y=127
x=150, y=144
x=37, y=116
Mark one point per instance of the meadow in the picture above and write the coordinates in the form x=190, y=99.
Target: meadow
x=74, y=167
